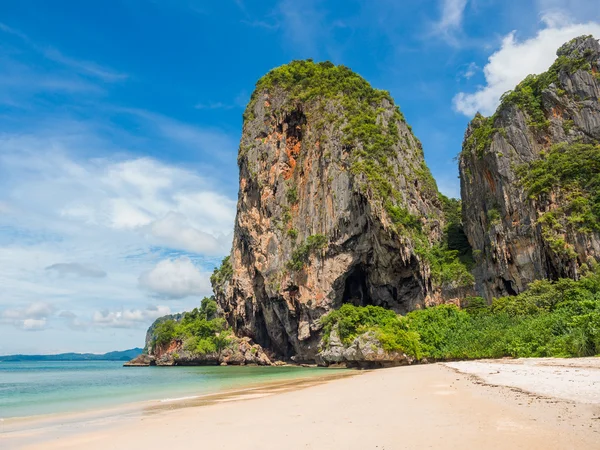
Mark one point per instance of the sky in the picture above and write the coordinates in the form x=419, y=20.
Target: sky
x=120, y=121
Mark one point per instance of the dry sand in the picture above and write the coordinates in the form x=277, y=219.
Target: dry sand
x=427, y=406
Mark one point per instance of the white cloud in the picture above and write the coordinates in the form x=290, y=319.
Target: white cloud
x=68, y=218
x=32, y=317
x=34, y=324
x=516, y=59
x=176, y=278
x=36, y=310
x=175, y=231
x=451, y=16
x=78, y=269
x=169, y=205
x=471, y=70
x=128, y=318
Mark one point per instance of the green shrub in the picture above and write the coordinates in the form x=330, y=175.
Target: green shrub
x=390, y=329
x=558, y=319
x=222, y=274
x=301, y=254
x=199, y=330
x=573, y=172
x=292, y=195
x=292, y=233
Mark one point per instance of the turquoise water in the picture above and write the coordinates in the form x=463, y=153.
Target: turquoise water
x=32, y=388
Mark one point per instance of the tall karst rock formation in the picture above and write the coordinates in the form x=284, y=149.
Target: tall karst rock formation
x=335, y=205
x=530, y=176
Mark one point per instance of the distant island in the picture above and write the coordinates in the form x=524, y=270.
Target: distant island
x=124, y=355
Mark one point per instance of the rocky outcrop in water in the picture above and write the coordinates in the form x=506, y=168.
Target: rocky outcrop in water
x=239, y=352
x=529, y=176
x=336, y=205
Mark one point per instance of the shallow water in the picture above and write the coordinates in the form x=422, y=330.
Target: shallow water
x=33, y=388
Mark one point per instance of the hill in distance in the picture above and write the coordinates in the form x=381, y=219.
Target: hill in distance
x=124, y=355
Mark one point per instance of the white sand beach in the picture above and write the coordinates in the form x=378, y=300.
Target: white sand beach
x=516, y=404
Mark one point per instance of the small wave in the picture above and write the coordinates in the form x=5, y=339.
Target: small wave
x=167, y=400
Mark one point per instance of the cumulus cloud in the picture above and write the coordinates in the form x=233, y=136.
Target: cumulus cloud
x=31, y=317
x=81, y=270
x=177, y=206
x=36, y=310
x=128, y=318
x=175, y=278
x=175, y=231
x=516, y=59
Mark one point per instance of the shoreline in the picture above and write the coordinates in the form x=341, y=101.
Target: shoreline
x=420, y=406
x=15, y=428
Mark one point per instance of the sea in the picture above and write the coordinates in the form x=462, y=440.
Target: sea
x=39, y=388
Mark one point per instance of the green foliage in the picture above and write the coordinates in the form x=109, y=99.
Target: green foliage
x=559, y=318
x=302, y=253
x=200, y=330
x=208, y=308
x=222, y=274
x=390, y=329
x=401, y=217
x=573, y=172
x=528, y=94
x=292, y=233
x=292, y=195
x=528, y=97
x=164, y=333
x=445, y=266
x=567, y=126
x=493, y=216
x=451, y=260
x=481, y=137
x=454, y=233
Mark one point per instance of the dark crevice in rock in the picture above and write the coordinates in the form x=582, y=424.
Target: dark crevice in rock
x=295, y=121
x=508, y=287
x=356, y=290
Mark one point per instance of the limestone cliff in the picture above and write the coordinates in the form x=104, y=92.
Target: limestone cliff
x=335, y=205
x=529, y=176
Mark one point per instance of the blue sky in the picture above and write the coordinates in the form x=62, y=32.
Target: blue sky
x=120, y=123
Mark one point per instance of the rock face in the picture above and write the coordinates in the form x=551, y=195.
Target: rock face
x=150, y=333
x=521, y=230
x=335, y=205
x=141, y=361
x=241, y=352
x=364, y=352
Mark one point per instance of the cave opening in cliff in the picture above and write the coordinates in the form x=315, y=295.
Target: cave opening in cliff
x=356, y=290
x=401, y=293
x=295, y=121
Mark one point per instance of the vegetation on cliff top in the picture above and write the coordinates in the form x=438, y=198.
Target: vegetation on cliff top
x=366, y=129
x=527, y=96
x=221, y=274
x=550, y=319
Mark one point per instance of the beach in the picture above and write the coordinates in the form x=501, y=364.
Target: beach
x=447, y=406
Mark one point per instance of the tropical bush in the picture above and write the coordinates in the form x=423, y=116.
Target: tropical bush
x=558, y=319
x=200, y=330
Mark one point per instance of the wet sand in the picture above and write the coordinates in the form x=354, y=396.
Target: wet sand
x=427, y=406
